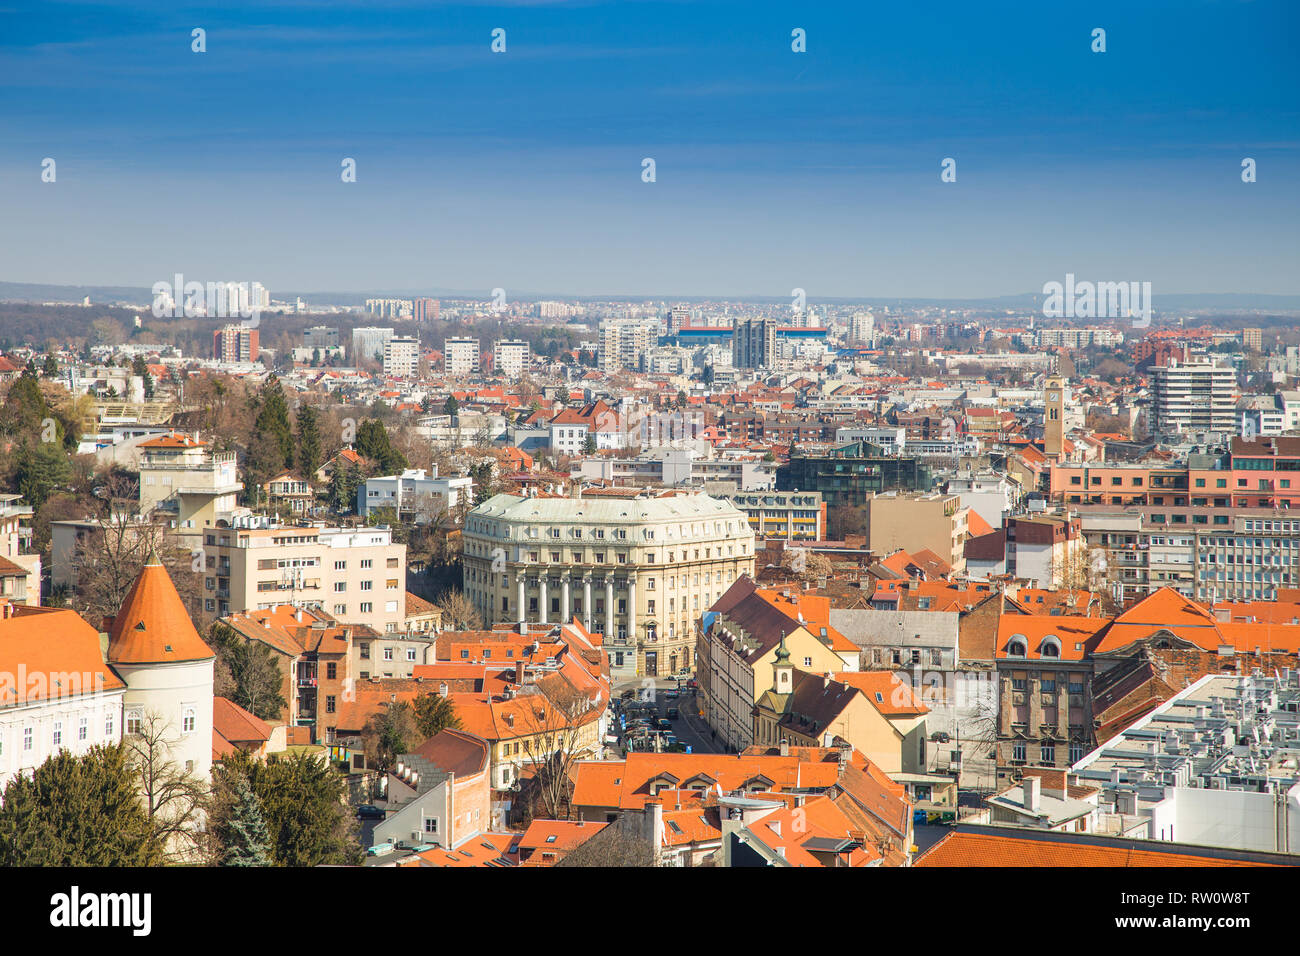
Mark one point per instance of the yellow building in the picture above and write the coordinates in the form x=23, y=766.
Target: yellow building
x=873, y=711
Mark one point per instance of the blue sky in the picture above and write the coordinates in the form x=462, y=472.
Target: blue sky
x=774, y=169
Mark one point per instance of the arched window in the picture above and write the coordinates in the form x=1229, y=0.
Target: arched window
x=1051, y=646
x=1017, y=646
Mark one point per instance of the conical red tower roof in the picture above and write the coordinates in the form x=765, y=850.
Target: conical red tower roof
x=153, y=625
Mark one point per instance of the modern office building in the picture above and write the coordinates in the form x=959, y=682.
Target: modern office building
x=786, y=516
x=850, y=474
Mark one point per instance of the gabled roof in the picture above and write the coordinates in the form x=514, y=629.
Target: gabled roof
x=237, y=725
x=1018, y=847
x=455, y=751
x=890, y=695
x=153, y=625
x=54, y=644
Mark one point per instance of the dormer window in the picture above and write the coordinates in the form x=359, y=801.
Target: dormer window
x=1017, y=646
x=1051, y=646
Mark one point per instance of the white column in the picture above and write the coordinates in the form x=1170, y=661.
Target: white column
x=566, y=612
x=631, y=608
x=611, y=632
x=586, y=601
x=541, y=598
x=522, y=598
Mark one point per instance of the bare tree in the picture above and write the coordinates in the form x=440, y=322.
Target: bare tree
x=807, y=566
x=555, y=718
x=178, y=802
x=612, y=846
x=458, y=612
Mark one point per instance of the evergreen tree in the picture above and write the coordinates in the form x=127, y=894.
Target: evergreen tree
x=273, y=420
x=42, y=468
x=24, y=408
x=435, y=713
x=451, y=406
x=77, y=811
x=373, y=443
x=51, y=368
x=302, y=801
x=338, y=494
x=244, y=838
x=309, y=444
x=481, y=476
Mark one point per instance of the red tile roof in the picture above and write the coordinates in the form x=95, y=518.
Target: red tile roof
x=1017, y=849
x=153, y=625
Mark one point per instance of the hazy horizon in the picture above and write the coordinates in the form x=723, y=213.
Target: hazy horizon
x=774, y=169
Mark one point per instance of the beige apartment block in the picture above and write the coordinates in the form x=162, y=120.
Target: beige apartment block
x=357, y=575
x=638, y=566
x=915, y=521
x=182, y=478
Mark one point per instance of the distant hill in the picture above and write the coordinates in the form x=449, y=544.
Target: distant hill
x=1163, y=303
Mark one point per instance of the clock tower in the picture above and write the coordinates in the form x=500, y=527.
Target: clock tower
x=1054, y=417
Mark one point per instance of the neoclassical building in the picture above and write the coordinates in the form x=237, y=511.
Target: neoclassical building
x=638, y=565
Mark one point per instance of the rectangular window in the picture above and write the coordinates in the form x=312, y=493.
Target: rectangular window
x=410, y=654
x=388, y=653
x=133, y=722
x=332, y=670
x=1048, y=751
x=83, y=728
x=329, y=703
x=108, y=726
x=57, y=738
x=188, y=720
x=366, y=563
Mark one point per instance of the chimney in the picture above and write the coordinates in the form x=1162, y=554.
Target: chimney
x=654, y=827
x=1033, y=791
x=519, y=672
x=785, y=747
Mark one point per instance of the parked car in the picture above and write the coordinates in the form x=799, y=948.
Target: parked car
x=368, y=811
x=672, y=694
x=673, y=713
x=663, y=723
x=940, y=737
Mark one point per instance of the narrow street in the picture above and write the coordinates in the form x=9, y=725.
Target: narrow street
x=689, y=728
